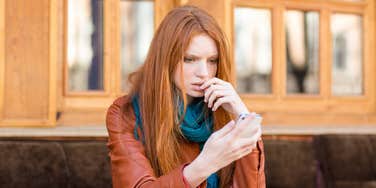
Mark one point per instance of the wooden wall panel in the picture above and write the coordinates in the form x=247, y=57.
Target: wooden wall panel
x=2, y=54
x=373, y=49
x=60, y=57
x=220, y=10
x=28, y=95
x=215, y=9
x=161, y=9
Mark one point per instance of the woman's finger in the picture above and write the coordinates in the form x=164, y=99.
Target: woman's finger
x=212, y=81
x=243, y=152
x=250, y=119
x=220, y=101
x=215, y=94
x=243, y=142
x=209, y=91
x=258, y=134
x=224, y=130
x=244, y=127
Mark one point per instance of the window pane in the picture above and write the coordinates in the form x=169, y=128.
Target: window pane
x=137, y=28
x=347, y=54
x=253, y=50
x=302, y=51
x=85, y=45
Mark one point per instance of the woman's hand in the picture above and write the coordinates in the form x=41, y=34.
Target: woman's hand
x=221, y=93
x=223, y=147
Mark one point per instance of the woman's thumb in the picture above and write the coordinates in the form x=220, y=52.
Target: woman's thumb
x=225, y=129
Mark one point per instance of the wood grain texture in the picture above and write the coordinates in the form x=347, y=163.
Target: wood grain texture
x=373, y=51
x=53, y=55
x=2, y=56
x=27, y=59
x=112, y=33
x=60, y=57
x=161, y=9
x=218, y=10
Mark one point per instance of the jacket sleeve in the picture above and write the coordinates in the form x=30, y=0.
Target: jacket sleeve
x=249, y=170
x=129, y=164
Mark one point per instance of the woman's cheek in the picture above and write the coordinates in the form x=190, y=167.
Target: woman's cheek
x=213, y=71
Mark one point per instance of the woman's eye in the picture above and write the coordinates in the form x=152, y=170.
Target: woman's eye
x=213, y=61
x=188, y=60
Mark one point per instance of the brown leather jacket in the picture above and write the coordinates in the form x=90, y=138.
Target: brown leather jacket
x=131, y=168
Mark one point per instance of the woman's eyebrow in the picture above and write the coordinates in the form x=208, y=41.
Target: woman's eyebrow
x=196, y=56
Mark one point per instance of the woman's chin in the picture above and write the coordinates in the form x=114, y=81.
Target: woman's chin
x=195, y=93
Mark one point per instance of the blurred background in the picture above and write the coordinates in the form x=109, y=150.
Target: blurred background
x=307, y=66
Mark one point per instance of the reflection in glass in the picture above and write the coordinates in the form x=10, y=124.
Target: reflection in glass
x=85, y=45
x=302, y=51
x=253, y=50
x=137, y=28
x=347, y=54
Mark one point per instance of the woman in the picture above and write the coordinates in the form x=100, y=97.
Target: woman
x=174, y=128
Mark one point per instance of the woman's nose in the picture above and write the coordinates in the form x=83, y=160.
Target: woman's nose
x=202, y=69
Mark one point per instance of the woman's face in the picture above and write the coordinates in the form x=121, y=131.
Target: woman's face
x=199, y=64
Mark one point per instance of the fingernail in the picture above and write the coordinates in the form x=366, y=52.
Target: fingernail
x=232, y=124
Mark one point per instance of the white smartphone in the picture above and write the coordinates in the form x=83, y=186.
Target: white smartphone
x=256, y=121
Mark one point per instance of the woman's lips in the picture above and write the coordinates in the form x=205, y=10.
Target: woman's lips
x=196, y=87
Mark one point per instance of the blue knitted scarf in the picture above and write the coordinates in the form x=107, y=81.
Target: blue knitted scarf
x=195, y=127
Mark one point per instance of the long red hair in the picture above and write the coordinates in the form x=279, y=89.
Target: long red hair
x=154, y=84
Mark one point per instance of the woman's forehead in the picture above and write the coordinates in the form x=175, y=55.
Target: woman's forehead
x=202, y=45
